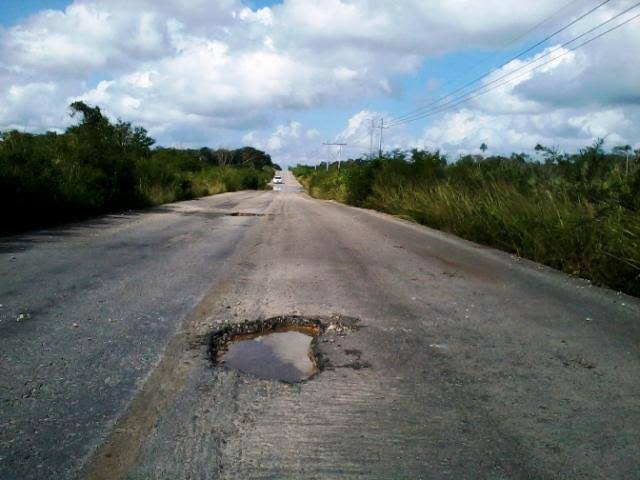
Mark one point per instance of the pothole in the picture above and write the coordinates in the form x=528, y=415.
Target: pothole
x=285, y=356
x=280, y=348
x=248, y=214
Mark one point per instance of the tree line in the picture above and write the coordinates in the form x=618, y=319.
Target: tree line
x=99, y=166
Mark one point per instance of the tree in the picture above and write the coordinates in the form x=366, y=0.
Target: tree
x=90, y=115
x=428, y=166
x=550, y=154
x=206, y=155
x=105, y=154
x=251, y=156
x=483, y=147
x=223, y=156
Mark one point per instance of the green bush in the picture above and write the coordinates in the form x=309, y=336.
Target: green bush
x=577, y=213
x=98, y=166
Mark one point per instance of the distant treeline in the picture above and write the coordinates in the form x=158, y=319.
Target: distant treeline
x=98, y=166
x=579, y=213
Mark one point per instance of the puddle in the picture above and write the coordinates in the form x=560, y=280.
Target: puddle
x=284, y=348
x=287, y=189
x=285, y=356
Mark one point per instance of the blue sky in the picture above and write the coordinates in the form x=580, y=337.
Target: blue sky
x=286, y=76
x=255, y=4
x=12, y=11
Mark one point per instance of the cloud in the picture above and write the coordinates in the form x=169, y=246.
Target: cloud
x=569, y=102
x=263, y=16
x=83, y=39
x=288, y=144
x=196, y=71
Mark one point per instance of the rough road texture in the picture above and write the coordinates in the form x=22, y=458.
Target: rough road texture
x=469, y=363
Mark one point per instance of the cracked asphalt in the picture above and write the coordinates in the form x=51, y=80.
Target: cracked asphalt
x=469, y=363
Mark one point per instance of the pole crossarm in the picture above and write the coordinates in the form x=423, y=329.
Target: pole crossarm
x=339, y=145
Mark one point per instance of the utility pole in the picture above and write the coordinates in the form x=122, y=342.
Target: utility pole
x=380, y=144
x=373, y=127
x=339, y=145
x=328, y=155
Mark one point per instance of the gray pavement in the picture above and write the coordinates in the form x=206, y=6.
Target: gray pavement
x=471, y=363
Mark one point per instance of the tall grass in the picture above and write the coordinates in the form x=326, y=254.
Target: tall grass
x=560, y=214
x=209, y=180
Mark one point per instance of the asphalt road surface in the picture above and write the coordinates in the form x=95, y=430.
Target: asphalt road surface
x=470, y=363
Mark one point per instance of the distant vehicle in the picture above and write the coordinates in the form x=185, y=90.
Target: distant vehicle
x=277, y=179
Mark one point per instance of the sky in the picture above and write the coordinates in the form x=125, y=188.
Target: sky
x=288, y=76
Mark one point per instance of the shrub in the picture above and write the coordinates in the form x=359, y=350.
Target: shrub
x=98, y=166
x=577, y=213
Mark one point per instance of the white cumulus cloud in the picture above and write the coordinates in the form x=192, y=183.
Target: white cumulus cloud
x=203, y=72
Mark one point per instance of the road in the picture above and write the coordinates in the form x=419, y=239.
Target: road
x=471, y=363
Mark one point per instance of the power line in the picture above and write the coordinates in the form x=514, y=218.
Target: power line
x=315, y=153
x=519, y=55
x=339, y=145
x=370, y=134
x=519, y=37
x=485, y=59
x=457, y=101
x=462, y=99
x=534, y=28
x=426, y=112
x=423, y=112
x=510, y=78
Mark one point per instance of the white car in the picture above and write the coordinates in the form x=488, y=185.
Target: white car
x=277, y=179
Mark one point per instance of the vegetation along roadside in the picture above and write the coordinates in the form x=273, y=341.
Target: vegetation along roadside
x=98, y=166
x=579, y=213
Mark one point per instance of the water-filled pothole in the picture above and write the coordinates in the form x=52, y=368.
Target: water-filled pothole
x=285, y=356
x=282, y=348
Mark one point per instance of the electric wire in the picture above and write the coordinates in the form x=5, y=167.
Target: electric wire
x=465, y=98
x=417, y=116
x=485, y=60
x=510, y=78
x=515, y=57
x=397, y=121
x=423, y=112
